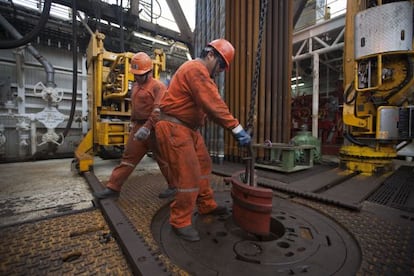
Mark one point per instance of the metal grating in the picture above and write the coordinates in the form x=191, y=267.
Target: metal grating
x=397, y=190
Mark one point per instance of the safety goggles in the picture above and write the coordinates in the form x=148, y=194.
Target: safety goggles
x=221, y=62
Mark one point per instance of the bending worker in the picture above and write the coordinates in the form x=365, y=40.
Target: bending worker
x=146, y=93
x=191, y=96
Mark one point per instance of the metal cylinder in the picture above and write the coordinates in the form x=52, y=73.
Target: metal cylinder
x=252, y=206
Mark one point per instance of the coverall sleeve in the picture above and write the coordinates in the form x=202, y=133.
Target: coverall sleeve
x=206, y=95
x=158, y=91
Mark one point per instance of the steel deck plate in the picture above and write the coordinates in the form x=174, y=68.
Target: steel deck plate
x=68, y=245
x=82, y=243
x=302, y=241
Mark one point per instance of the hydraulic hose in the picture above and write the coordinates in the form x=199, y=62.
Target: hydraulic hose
x=353, y=140
x=10, y=44
x=75, y=68
x=348, y=91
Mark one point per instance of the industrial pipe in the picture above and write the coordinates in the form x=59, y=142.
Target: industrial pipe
x=50, y=71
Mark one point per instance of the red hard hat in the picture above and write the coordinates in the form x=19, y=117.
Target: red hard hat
x=225, y=49
x=141, y=64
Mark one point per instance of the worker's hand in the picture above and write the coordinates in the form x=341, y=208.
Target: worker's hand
x=241, y=135
x=142, y=133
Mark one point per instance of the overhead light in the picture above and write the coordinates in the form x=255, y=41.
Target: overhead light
x=150, y=38
x=296, y=85
x=294, y=78
x=179, y=46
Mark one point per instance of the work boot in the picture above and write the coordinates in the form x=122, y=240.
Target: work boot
x=219, y=210
x=167, y=193
x=187, y=233
x=106, y=193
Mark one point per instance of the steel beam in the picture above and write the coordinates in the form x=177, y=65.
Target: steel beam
x=180, y=19
x=110, y=13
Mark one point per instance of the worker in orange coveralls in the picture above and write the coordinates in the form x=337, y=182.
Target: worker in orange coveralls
x=191, y=96
x=146, y=93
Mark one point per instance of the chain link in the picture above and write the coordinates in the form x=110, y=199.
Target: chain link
x=250, y=120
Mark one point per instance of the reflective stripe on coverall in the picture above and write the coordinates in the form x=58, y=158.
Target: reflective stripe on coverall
x=182, y=147
x=191, y=96
x=134, y=151
x=145, y=100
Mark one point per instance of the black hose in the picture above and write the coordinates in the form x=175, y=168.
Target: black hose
x=121, y=23
x=409, y=76
x=348, y=92
x=35, y=32
x=50, y=71
x=75, y=69
x=353, y=140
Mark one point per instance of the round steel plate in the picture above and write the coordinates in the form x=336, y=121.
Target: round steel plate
x=301, y=241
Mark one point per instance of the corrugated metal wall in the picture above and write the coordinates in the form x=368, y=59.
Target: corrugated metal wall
x=272, y=119
x=210, y=24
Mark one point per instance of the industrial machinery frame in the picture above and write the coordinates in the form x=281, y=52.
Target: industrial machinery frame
x=378, y=78
x=109, y=88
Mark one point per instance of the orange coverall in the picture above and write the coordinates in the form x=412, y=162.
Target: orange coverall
x=144, y=99
x=191, y=96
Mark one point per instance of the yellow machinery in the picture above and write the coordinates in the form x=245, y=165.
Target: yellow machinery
x=378, y=76
x=109, y=87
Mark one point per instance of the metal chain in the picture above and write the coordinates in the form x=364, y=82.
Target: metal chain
x=250, y=120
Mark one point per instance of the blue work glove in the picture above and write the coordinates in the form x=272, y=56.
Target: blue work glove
x=241, y=135
x=142, y=133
